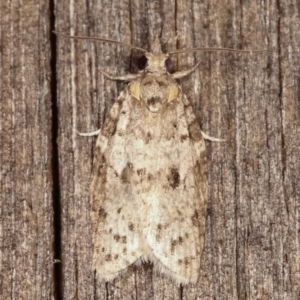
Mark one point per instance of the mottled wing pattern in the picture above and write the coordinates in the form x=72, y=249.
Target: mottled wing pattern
x=114, y=220
x=149, y=191
x=176, y=218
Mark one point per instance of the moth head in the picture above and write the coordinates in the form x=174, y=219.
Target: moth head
x=157, y=61
x=153, y=63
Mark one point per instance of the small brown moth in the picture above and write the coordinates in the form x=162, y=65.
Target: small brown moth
x=149, y=189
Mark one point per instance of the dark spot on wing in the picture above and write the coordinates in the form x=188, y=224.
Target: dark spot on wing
x=101, y=167
x=124, y=239
x=150, y=177
x=141, y=172
x=127, y=172
x=180, y=240
x=173, y=246
x=124, y=250
x=194, y=131
x=158, y=235
x=180, y=261
x=131, y=226
x=114, y=131
x=116, y=237
x=173, y=178
x=195, y=219
x=148, y=137
x=120, y=101
x=119, y=210
x=102, y=214
x=116, y=256
x=109, y=126
x=186, y=104
x=187, y=261
x=108, y=257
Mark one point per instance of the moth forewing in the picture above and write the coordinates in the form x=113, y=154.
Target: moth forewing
x=149, y=190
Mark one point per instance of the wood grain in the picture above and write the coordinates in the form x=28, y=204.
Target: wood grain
x=26, y=152
x=252, y=101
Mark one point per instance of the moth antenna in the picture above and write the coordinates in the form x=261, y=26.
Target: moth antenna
x=99, y=39
x=215, y=50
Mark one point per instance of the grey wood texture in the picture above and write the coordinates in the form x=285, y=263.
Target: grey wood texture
x=252, y=244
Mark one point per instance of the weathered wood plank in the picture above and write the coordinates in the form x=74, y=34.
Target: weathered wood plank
x=26, y=189
x=252, y=234
x=252, y=101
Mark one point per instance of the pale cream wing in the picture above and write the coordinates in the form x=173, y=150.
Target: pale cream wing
x=115, y=218
x=175, y=221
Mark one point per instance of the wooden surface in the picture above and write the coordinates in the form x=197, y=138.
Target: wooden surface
x=26, y=153
x=51, y=87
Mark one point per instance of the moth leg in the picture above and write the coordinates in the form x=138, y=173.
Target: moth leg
x=210, y=138
x=183, y=73
x=127, y=77
x=92, y=133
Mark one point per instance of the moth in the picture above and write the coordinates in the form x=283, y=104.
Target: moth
x=149, y=187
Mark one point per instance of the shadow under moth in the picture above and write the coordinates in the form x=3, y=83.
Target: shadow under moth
x=149, y=187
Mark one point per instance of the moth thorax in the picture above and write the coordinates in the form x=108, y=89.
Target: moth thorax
x=157, y=90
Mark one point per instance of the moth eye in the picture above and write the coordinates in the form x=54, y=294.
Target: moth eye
x=142, y=62
x=169, y=65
